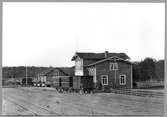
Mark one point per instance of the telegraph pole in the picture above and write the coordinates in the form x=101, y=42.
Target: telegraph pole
x=26, y=76
x=115, y=78
x=114, y=74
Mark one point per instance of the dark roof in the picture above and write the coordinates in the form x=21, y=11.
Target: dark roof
x=45, y=72
x=67, y=70
x=109, y=58
x=99, y=55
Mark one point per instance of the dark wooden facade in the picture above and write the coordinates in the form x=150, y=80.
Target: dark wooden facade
x=124, y=68
x=97, y=65
x=60, y=77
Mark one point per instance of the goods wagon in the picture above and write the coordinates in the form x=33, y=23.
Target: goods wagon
x=63, y=82
x=75, y=83
x=83, y=82
x=87, y=83
x=29, y=81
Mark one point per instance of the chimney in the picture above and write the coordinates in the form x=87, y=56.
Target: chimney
x=105, y=54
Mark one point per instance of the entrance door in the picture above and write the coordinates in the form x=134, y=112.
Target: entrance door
x=71, y=82
x=87, y=82
x=60, y=84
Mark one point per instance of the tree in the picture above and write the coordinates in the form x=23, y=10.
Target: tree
x=136, y=72
x=147, y=69
x=18, y=72
x=160, y=70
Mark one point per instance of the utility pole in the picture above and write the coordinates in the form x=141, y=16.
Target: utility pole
x=115, y=78
x=115, y=73
x=26, y=76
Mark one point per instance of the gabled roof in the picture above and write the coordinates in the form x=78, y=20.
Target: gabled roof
x=67, y=70
x=99, y=56
x=109, y=58
x=45, y=72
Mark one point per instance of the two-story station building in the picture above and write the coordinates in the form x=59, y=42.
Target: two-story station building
x=102, y=70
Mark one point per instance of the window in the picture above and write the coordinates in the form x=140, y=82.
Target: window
x=91, y=71
x=113, y=66
x=104, y=80
x=122, y=79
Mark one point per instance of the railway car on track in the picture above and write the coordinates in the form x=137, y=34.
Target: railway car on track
x=29, y=82
x=64, y=78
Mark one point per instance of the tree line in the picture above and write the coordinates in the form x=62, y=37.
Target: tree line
x=148, y=69
x=20, y=71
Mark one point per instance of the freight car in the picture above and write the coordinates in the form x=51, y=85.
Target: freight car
x=29, y=82
x=74, y=83
x=84, y=83
x=63, y=82
x=87, y=83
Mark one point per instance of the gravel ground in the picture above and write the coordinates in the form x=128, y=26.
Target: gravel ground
x=47, y=101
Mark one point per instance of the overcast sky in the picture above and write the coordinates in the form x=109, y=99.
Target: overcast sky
x=48, y=34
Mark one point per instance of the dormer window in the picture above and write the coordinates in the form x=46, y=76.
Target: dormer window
x=113, y=66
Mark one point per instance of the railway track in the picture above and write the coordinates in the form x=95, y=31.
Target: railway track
x=34, y=101
x=33, y=108
x=78, y=106
x=91, y=110
x=21, y=106
x=120, y=92
x=128, y=92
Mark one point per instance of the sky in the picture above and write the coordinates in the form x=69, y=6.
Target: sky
x=49, y=34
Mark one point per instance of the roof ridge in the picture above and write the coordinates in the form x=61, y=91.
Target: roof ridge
x=62, y=71
x=101, y=55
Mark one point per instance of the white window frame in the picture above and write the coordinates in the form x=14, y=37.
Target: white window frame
x=102, y=79
x=91, y=71
x=113, y=64
x=124, y=79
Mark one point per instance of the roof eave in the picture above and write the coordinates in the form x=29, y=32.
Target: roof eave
x=106, y=60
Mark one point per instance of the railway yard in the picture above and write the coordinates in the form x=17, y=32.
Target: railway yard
x=47, y=101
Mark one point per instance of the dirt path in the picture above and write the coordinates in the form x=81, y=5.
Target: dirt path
x=38, y=101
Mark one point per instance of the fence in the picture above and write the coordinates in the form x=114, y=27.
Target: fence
x=149, y=84
x=138, y=92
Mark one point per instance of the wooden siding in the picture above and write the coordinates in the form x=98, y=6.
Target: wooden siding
x=56, y=72
x=76, y=82
x=123, y=68
x=59, y=79
x=88, y=61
